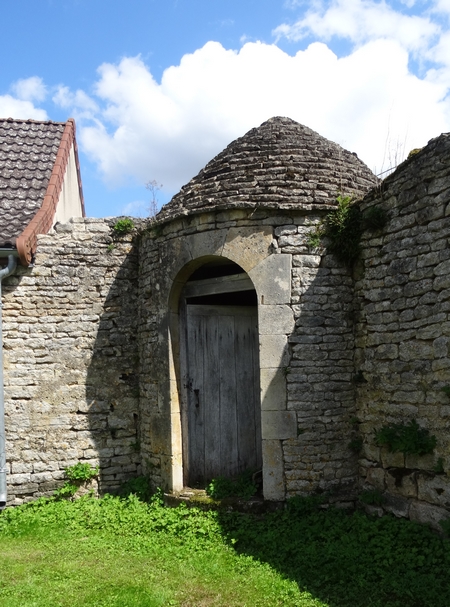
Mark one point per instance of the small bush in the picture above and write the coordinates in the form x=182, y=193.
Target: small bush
x=407, y=438
x=343, y=228
x=243, y=486
x=81, y=472
x=373, y=497
x=138, y=486
x=123, y=226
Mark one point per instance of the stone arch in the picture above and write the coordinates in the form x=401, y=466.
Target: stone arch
x=250, y=248
x=215, y=346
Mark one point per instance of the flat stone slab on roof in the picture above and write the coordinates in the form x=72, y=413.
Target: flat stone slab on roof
x=28, y=151
x=281, y=164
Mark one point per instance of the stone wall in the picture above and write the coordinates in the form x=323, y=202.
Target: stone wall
x=403, y=331
x=307, y=394
x=320, y=372
x=70, y=355
x=91, y=340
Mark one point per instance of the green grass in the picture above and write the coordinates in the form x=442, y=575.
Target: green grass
x=121, y=551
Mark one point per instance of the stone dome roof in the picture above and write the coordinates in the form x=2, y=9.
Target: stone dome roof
x=280, y=164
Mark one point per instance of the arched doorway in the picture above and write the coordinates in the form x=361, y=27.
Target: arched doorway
x=219, y=356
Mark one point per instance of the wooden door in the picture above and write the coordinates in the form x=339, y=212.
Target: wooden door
x=222, y=418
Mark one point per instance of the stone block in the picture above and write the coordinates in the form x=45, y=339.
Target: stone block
x=273, y=351
x=401, y=481
x=273, y=470
x=206, y=243
x=278, y=425
x=275, y=319
x=375, y=476
x=396, y=504
x=433, y=489
x=272, y=279
x=248, y=246
x=273, y=389
x=424, y=513
x=392, y=460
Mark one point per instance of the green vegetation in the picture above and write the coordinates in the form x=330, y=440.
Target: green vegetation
x=78, y=474
x=243, y=486
x=356, y=444
x=373, y=497
x=122, y=551
x=81, y=472
x=343, y=228
x=406, y=438
x=123, y=226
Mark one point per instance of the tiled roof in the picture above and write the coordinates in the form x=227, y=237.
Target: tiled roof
x=33, y=160
x=27, y=154
x=281, y=164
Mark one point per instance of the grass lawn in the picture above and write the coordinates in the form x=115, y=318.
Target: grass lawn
x=111, y=552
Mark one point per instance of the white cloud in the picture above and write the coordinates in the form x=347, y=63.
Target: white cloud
x=30, y=89
x=79, y=102
x=368, y=101
x=361, y=21
x=137, y=208
x=11, y=107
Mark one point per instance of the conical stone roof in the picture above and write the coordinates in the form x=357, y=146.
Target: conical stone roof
x=281, y=164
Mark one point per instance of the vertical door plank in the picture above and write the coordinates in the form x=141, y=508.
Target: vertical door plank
x=245, y=384
x=228, y=393
x=211, y=398
x=196, y=426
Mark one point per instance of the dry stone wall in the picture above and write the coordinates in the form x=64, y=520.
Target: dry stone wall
x=403, y=334
x=70, y=355
x=307, y=414
x=320, y=372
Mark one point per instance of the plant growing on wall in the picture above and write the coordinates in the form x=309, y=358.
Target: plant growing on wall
x=123, y=226
x=77, y=475
x=407, y=438
x=343, y=227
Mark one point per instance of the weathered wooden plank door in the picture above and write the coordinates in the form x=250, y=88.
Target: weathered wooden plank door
x=222, y=421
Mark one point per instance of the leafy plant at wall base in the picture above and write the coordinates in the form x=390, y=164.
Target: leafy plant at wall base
x=373, y=497
x=406, y=438
x=123, y=226
x=242, y=486
x=67, y=490
x=139, y=486
x=445, y=526
x=81, y=472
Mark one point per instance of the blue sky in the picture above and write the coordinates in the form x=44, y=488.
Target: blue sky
x=158, y=87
